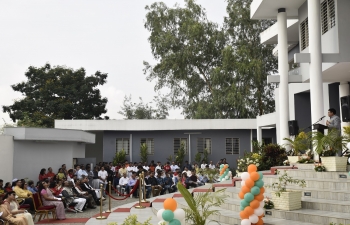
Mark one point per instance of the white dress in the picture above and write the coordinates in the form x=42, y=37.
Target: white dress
x=28, y=216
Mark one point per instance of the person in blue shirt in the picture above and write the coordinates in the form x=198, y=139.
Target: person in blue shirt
x=31, y=187
x=187, y=165
x=160, y=182
x=168, y=182
x=132, y=182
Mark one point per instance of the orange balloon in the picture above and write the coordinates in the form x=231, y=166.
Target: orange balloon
x=170, y=204
x=262, y=190
x=255, y=204
x=252, y=168
x=259, y=197
x=260, y=222
x=249, y=183
x=248, y=210
x=254, y=176
x=243, y=215
x=245, y=189
x=241, y=195
x=261, y=216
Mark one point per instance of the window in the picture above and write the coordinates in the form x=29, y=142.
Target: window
x=232, y=146
x=304, y=34
x=327, y=15
x=202, y=144
x=177, y=144
x=150, y=145
x=122, y=143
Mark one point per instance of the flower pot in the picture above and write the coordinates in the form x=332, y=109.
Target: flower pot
x=293, y=159
x=335, y=163
x=290, y=200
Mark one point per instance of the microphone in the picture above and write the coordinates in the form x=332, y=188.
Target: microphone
x=322, y=117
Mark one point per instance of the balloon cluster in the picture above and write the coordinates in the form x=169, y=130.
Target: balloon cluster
x=252, y=195
x=170, y=215
x=224, y=172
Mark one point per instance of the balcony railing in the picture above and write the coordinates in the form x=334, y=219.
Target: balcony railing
x=295, y=71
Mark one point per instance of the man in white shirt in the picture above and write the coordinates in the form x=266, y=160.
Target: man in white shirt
x=102, y=175
x=130, y=169
x=174, y=167
x=158, y=167
x=203, y=165
x=135, y=169
x=189, y=173
x=145, y=167
x=211, y=165
x=112, y=167
x=123, y=182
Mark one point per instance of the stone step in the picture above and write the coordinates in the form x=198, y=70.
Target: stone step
x=326, y=205
x=303, y=166
x=310, y=216
x=318, y=175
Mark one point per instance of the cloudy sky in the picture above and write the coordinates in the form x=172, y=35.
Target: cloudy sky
x=105, y=35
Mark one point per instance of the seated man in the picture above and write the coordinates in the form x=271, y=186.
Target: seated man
x=147, y=185
x=168, y=183
x=156, y=188
x=86, y=188
x=193, y=180
x=132, y=182
x=82, y=194
x=160, y=181
x=70, y=197
x=123, y=183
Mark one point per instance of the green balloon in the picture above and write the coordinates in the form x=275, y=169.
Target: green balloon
x=168, y=215
x=261, y=175
x=255, y=190
x=175, y=222
x=241, y=208
x=248, y=197
x=259, y=183
x=221, y=166
x=244, y=203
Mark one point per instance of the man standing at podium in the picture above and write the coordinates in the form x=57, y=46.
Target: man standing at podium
x=334, y=122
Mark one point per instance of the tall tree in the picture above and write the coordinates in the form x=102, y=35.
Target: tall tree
x=131, y=110
x=57, y=93
x=209, y=72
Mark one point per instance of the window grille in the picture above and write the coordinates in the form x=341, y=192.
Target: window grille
x=232, y=146
x=202, y=144
x=304, y=34
x=327, y=15
x=150, y=145
x=122, y=143
x=177, y=144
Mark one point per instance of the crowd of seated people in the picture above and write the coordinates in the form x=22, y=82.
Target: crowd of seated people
x=79, y=188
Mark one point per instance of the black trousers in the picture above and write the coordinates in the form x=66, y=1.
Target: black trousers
x=29, y=201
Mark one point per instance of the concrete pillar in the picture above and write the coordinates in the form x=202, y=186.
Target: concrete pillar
x=259, y=134
x=283, y=72
x=343, y=91
x=315, y=49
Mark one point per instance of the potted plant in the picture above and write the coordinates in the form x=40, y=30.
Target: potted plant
x=327, y=146
x=286, y=199
x=319, y=168
x=300, y=143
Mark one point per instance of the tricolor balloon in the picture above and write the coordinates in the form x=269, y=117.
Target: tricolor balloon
x=252, y=195
x=170, y=215
x=224, y=172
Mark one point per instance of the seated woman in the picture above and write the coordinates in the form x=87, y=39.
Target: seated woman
x=12, y=205
x=60, y=175
x=24, y=195
x=8, y=187
x=12, y=219
x=55, y=188
x=42, y=174
x=49, y=199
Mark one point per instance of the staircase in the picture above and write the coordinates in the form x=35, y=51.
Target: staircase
x=325, y=200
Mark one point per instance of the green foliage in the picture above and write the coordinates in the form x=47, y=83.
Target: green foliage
x=144, y=153
x=272, y=155
x=281, y=185
x=306, y=160
x=257, y=147
x=170, y=158
x=268, y=204
x=198, y=157
x=248, y=158
x=119, y=157
x=132, y=220
x=57, y=93
x=141, y=110
x=206, y=155
x=200, y=205
x=179, y=158
x=320, y=168
x=210, y=70
x=301, y=142
x=328, y=144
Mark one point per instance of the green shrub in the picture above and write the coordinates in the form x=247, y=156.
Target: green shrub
x=119, y=157
x=144, y=153
x=272, y=155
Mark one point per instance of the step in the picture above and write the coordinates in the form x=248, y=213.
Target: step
x=319, y=175
x=310, y=216
x=326, y=205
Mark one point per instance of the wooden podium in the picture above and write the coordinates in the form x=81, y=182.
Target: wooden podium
x=320, y=127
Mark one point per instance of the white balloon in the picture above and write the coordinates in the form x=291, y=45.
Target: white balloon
x=259, y=211
x=179, y=214
x=159, y=214
x=262, y=204
x=226, y=177
x=242, y=183
x=245, y=176
x=253, y=218
x=246, y=222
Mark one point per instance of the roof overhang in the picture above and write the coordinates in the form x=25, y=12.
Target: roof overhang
x=291, y=79
x=49, y=134
x=156, y=125
x=270, y=35
x=268, y=9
